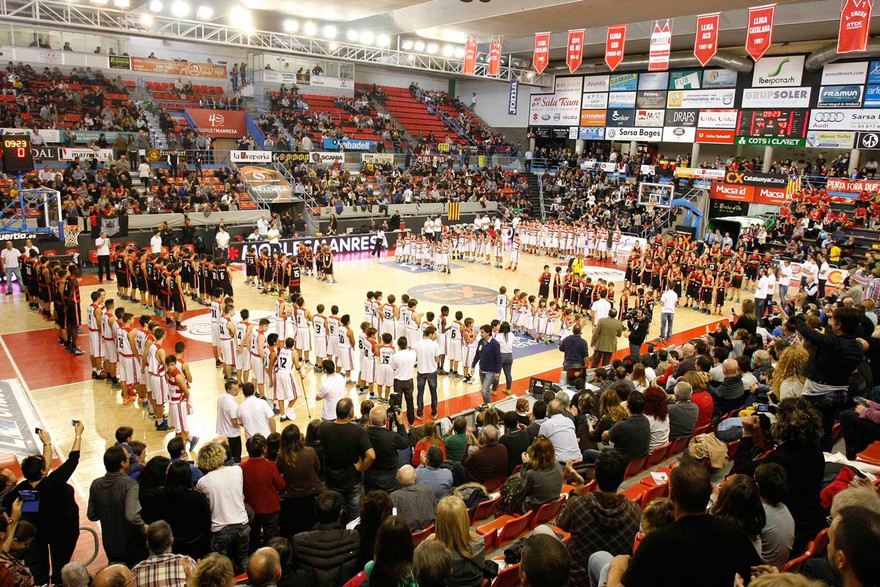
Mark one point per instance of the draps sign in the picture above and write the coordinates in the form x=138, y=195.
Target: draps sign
x=759, y=34
x=706, y=39
x=661, y=47
x=615, y=40
x=512, y=97
x=681, y=117
x=219, y=123
x=541, y=56
x=574, y=53
x=855, y=22
x=251, y=156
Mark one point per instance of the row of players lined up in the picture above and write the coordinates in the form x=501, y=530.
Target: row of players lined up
x=52, y=289
x=282, y=274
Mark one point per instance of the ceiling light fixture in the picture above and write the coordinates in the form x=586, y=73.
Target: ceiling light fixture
x=180, y=9
x=156, y=6
x=309, y=29
x=352, y=36
x=367, y=38
x=290, y=25
x=204, y=12
x=419, y=46
x=330, y=32
x=383, y=40
x=448, y=50
x=432, y=48
x=407, y=45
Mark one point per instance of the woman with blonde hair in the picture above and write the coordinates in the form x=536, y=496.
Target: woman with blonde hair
x=788, y=375
x=215, y=570
x=542, y=477
x=431, y=438
x=468, y=549
x=610, y=413
x=748, y=318
x=638, y=377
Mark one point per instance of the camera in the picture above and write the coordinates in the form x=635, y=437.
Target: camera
x=765, y=409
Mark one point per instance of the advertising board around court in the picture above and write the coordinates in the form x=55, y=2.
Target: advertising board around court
x=700, y=98
x=622, y=99
x=845, y=119
x=650, y=135
x=679, y=134
x=343, y=243
x=771, y=141
x=250, y=156
x=594, y=101
x=840, y=96
x=715, y=136
x=830, y=139
x=653, y=118
x=844, y=73
x=748, y=193
x=624, y=82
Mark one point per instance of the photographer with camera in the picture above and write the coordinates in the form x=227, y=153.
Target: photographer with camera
x=49, y=505
x=388, y=436
x=637, y=323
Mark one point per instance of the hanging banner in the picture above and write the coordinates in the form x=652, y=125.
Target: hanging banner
x=512, y=98
x=759, y=34
x=706, y=40
x=470, y=56
x=574, y=53
x=615, y=39
x=541, y=57
x=494, y=60
x=855, y=20
x=661, y=47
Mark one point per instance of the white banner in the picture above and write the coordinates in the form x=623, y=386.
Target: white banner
x=377, y=158
x=278, y=77
x=596, y=83
x=679, y=134
x=699, y=173
x=251, y=156
x=861, y=119
x=774, y=72
x=700, y=98
x=327, y=157
x=622, y=100
x=73, y=153
x=50, y=135
x=629, y=133
x=331, y=82
x=776, y=97
x=594, y=101
x=717, y=119
x=650, y=117
x=838, y=74
x=653, y=81
x=830, y=140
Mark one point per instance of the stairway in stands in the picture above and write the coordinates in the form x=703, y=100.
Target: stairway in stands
x=157, y=137
x=534, y=192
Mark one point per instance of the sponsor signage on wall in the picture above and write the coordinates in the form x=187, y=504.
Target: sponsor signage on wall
x=717, y=118
x=266, y=185
x=653, y=81
x=512, y=97
x=840, y=96
x=593, y=117
x=378, y=158
x=622, y=100
x=218, y=123
x=251, y=156
x=652, y=135
x=331, y=144
x=593, y=101
x=771, y=141
x=853, y=186
x=872, y=97
x=628, y=82
x=699, y=173
x=715, y=137
x=681, y=117
x=685, y=80
x=756, y=179
x=776, y=97
x=700, y=98
x=774, y=72
x=346, y=243
x=561, y=108
x=620, y=117
x=50, y=135
x=591, y=133
x=748, y=194
x=327, y=158
x=74, y=153
x=679, y=134
x=660, y=47
x=874, y=73
x=868, y=140
x=719, y=208
x=854, y=119
x=775, y=122
x=837, y=74
x=180, y=68
x=649, y=117
x=596, y=83
x=829, y=139
x=719, y=78
x=651, y=99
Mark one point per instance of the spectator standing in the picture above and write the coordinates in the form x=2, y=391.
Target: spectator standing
x=669, y=299
x=402, y=363
x=327, y=554
x=387, y=445
x=488, y=355
x=263, y=485
x=227, y=419
x=162, y=568
x=187, y=510
x=332, y=390
x=156, y=242
x=254, y=414
x=602, y=520
x=427, y=351
x=505, y=343
x=300, y=467
x=576, y=352
x=57, y=519
x=113, y=501
x=347, y=455
x=10, y=266
x=638, y=331
x=221, y=242
x=605, y=336
x=102, y=248
x=224, y=488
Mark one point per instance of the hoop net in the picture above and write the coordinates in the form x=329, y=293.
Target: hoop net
x=71, y=236
x=656, y=194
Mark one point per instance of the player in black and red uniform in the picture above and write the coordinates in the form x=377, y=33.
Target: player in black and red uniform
x=544, y=283
x=327, y=264
x=250, y=266
x=176, y=301
x=122, y=283
x=70, y=300
x=294, y=286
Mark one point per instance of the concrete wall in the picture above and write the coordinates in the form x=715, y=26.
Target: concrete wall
x=492, y=102
x=400, y=78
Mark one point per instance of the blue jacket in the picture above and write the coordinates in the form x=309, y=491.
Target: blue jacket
x=488, y=355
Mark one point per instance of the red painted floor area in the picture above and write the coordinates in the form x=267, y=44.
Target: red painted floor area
x=52, y=366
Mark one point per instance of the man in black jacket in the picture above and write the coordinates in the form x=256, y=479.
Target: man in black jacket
x=328, y=554
x=386, y=444
x=638, y=331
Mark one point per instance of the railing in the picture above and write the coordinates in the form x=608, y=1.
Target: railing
x=310, y=200
x=541, y=199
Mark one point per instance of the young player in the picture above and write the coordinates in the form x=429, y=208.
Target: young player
x=414, y=324
x=216, y=316
x=95, y=314
x=455, y=345
x=332, y=336
x=250, y=265
x=389, y=315
x=281, y=375
x=242, y=358
x=138, y=338
x=257, y=343
x=544, y=283
x=502, y=303
x=303, y=337
x=155, y=372
x=179, y=400
x=384, y=372
x=319, y=325
x=469, y=340
x=127, y=361
x=367, y=374
x=227, y=342
x=345, y=338
x=270, y=355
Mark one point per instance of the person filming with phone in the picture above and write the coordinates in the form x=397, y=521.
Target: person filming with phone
x=49, y=504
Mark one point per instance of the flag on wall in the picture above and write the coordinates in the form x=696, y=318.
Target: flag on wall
x=706, y=39
x=470, y=56
x=541, y=57
x=661, y=47
x=574, y=52
x=453, y=213
x=855, y=20
x=615, y=39
x=494, y=60
x=759, y=32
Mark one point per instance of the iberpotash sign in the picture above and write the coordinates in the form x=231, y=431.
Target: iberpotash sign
x=344, y=243
x=229, y=124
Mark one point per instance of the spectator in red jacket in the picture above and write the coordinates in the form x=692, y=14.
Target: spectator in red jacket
x=263, y=485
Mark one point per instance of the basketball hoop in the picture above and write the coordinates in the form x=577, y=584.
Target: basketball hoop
x=71, y=236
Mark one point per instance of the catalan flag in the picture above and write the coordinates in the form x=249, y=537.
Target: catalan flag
x=454, y=211
x=794, y=186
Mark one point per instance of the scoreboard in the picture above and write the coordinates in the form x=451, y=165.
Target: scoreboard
x=773, y=123
x=15, y=151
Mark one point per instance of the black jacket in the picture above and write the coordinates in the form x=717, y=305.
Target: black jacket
x=832, y=357
x=327, y=555
x=638, y=331
x=383, y=473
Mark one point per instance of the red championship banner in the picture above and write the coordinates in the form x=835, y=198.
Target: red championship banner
x=706, y=40
x=182, y=68
x=855, y=20
x=574, y=52
x=759, y=32
x=494, y=60
x=470, y=56
x=661, y=47
x=541, y=57
x=229, y=124
x=615, y=39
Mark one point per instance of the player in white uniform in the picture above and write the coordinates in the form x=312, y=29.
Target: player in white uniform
x=227, y=341
x=502, y=303
x=282, y=313
x=384, y=372
x=256, y=344
x=303, y=340
x=454, y=344
x=469, y=351
x=332, y=336
x=367, y=346
x=96, y=351
x=156, y=384
x=319, y=324
x=127, y=362
x=108, y=341
x=345, y=340
x=389, y=316
x=141, y=335
x=514, y=254
x=281, y=375
x=216, y=316
x=413, y=334
x=178, y=396
x=242, y=357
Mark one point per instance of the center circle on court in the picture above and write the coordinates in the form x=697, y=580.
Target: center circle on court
x=199, y=327
x=460, y=294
